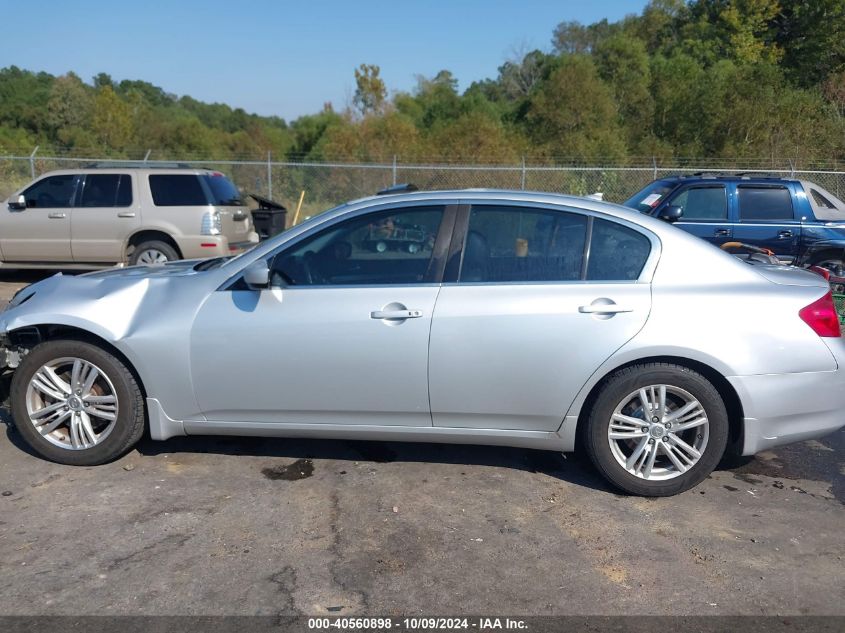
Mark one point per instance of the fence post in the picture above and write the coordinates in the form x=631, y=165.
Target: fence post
x=394, y=170
x=269, y=176
x=523, y=173
x=32, y=162
x=147, y=156
x=791, y=168
x=654, y=162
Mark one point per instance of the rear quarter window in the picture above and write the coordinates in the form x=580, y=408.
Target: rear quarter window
x=177, y=190
x=617, y=253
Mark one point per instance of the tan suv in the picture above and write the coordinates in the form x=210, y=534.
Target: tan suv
x=109, y=215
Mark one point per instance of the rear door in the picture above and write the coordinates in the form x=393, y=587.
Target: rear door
x=105, y=215
x=705, y=211
x=41, y=232
x=539, y=298
x=766, y=218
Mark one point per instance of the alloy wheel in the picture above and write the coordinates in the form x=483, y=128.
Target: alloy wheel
x=658, y=432
x=72, y=403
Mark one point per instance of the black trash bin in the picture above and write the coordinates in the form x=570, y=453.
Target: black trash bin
x=269, y=218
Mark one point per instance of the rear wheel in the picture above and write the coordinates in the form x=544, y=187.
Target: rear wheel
x=657, y=429
x=75, y=403
x=153, y=253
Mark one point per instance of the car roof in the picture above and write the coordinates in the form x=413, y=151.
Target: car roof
x=122, y=169
x=738, y=177
x=475, y=196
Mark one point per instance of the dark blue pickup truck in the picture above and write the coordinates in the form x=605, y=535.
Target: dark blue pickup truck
x=800, y=221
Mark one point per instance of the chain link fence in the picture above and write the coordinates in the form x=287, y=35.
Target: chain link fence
x=327, y=184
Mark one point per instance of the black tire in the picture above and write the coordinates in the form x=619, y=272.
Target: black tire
x=629, y=379
x=154, y=245
x=128, y=426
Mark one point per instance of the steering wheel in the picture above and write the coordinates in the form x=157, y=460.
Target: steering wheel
x=309, y=270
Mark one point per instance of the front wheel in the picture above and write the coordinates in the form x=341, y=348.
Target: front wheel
x=75, y=403
x=657, y=429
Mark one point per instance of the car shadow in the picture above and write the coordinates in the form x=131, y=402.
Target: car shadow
x=571, y=468
x=794, y=462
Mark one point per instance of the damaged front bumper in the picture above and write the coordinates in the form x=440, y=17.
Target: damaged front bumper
x=10, y=354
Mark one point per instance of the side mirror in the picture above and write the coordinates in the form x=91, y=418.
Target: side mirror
x=257, y=275
x=19, y=204
x=672, y=213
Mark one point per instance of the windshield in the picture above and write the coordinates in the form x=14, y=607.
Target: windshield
x=648, y=198
x=223, y=192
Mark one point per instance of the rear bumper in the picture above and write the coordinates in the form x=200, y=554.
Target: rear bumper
x=785, y=408
x=213, y=246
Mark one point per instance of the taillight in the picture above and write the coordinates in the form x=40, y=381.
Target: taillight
x=212, y=224
x=822, y=317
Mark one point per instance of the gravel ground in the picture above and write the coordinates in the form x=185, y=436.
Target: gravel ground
x=253, y=526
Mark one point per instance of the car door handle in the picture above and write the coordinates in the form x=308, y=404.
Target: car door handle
x=722, y=232
x=605, y=308
x=782, y=235
x=56, y=216
x=126, y=214
x=396, y=314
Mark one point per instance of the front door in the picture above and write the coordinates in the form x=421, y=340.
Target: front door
x=705, y=212
x=41, y=231
x=104, y=217
x=543, y=297
x=340, y=337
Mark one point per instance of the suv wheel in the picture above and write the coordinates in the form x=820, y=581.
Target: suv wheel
x=152, y=253
x=657, y=429
x=75, y=403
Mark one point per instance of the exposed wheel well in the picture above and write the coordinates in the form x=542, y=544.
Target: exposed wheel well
x=28, y=337
x=149, y=236
x=733, y=405
x=831, y=252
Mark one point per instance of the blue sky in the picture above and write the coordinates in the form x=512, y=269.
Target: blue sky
x=282, y=58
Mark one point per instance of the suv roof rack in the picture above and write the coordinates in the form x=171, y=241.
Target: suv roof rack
x=761, y=174
x=403, y=188
x=135, y=164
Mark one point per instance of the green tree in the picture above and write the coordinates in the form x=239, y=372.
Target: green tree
x=623, y=63
x=575, y=122
x=370, y=91
x=112, y=120
x=70, y=103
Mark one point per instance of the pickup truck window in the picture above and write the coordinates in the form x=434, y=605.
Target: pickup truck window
x=764, y=203
x=703, y=203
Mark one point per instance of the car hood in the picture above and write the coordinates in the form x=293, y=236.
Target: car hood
x=110, y=303
x=181, y=267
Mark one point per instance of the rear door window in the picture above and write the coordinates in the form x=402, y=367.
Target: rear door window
x=177, y=190
x=106, y=190
x=764, y=203
x=511, y=244
x=702, y=203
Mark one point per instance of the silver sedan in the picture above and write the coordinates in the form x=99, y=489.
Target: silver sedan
x=490, y=317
